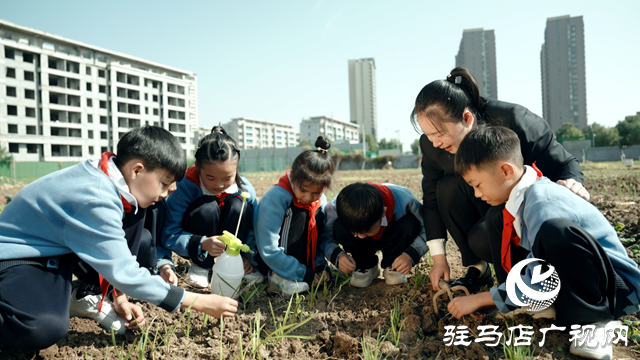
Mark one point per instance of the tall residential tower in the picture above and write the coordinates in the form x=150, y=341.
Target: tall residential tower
x=564, y=91
x=478, y=54
x=362, y=95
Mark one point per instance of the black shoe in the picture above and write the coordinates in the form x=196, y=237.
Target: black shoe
x=473, y=280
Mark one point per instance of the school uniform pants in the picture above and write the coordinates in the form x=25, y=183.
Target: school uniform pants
x=590, y=289
x=395, y=239
x=34, y=304
x=204, y=217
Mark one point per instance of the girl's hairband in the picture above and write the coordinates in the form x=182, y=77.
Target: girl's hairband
x=322, y=150
x=457, y=80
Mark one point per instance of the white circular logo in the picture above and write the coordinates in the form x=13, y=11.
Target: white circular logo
x=534, y=299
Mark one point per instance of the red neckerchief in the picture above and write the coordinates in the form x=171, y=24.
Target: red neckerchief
x=509, y=234
x=193, y=175
x=312, y=234
x=389, y=202
x=104, y=166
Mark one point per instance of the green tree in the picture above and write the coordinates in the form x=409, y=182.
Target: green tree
x=5, y=156
x=305, y=143
x=604, y=136
x=629, y=130
x=568, y=130
x=371, y=142
x=415, y=147
x=390, y=144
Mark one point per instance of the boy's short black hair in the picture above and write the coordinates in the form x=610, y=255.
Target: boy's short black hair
x=359, y=206
x=155, y=147
x=485, y=145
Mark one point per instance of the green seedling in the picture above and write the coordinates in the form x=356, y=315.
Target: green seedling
x=619, y=226
x=221, y=337
x=121, y=354
x=372, y=350
x=635, y=252
x=396, y=323
x=512, y=352
x=284, y=327
x=634, y=330
x=312, y=294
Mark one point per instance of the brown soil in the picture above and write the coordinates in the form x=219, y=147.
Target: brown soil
x=347, y=315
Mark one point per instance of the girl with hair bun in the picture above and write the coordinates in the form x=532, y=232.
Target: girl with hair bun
x=206, y=202
x=445, y=111
x=290, y=218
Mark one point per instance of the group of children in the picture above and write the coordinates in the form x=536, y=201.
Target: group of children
x=108, y=221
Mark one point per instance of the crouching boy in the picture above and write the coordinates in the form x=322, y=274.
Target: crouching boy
x=374, y=217
x=598, y=281
x=76, y=214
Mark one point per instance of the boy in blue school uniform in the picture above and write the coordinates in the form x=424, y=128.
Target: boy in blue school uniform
x=598, y=281
x=77, y=213
x=374, y=217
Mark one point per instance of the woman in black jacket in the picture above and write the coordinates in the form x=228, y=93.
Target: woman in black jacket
x=445, y=111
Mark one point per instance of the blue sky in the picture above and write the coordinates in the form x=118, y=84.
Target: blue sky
x=287, y=60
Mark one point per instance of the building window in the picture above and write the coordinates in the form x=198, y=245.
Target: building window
x=12, y=110
x=11, y=91
x=103, y=119
x=146, y=110
x=102, y=89
x=249, y=142
x=29, y=94
x=249, y=135
x=9, y=53
x=279, y=144
x=89, y=103
x=88, y=71
x=30, y=112
x=90, y=119
x=11, y=72
x=14, y=148
x=90, y=134
x=13, y=129
x=155, y=98
x=103, y=104
x=103, y=135
x=32, y=148
x=88, y=86
x=101, y=73
x=146, y=96
x=90, y=150
x=27, y=57
x=249, y=128
x=155, y=111
x=31, y=130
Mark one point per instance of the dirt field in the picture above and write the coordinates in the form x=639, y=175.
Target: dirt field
x=343, y=322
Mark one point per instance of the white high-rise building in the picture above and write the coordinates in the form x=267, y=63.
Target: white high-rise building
x=477, y=53
x=63, y=100
x=260, y=134
x=362, y=95
x=337, y=131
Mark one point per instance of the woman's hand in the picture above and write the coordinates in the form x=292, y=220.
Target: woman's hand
x=576, y=187
x=439, y=270
x=213, y=246
x=124, y=309
x=168, y=275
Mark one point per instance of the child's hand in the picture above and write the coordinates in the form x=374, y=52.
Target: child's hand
x=464, y=305
x=212, y=304
x=323, y=276
x=439, y=270
x=346, y=264
x=213, y=246
x=248, y=266
x=402, y=264
x=123, y=307
x=167, y=274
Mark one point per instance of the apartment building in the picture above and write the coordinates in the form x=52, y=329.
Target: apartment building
x=260, y=134
x=63, y=100
x=477, y=53
x=337, y=131
x=362, y=95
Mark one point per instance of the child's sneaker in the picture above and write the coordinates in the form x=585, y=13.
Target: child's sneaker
x=197, y=276
x=548, y=313
x=254, y=278
x=590, y=348
x=87, y=307
x=392, y=277
x=364, y=278
x=288, y=287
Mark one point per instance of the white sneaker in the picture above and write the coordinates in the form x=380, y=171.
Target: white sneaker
x=254, y=278
x=393, y=277
x=548, y=313
x=87, y=307
x=288, y=287
x=364, y=278
x=591, y=348
x=197, y=276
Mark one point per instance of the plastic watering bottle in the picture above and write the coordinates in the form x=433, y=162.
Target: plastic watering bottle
x=228, y=271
